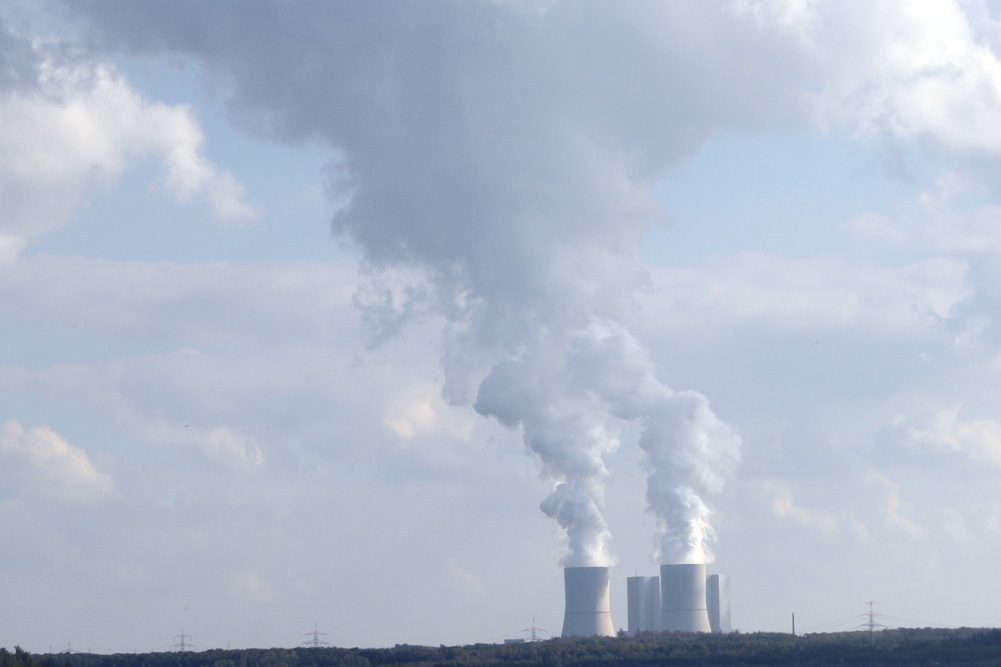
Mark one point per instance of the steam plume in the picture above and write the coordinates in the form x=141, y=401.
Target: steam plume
x=505, y=153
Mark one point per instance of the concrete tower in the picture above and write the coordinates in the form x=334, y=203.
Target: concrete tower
x=683, y=598
x=718, y=602
x=643, y=601
x=587, y=612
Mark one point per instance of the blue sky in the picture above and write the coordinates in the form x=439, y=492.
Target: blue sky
x=315, y=314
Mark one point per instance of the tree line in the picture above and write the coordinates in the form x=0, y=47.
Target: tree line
x=925, y=646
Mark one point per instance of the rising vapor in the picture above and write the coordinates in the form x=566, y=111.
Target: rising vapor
x=501, y=153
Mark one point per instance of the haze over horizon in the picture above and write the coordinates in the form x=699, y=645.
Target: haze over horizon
x=373, y=314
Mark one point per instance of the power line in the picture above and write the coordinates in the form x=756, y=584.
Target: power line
x=846, y=623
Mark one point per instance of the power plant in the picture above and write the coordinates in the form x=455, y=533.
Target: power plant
x=588, y=612
x=681, y=599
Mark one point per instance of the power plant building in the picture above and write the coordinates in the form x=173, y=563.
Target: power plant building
x=718, y=602
x=643, y=603
x=683, y=598
x=588, y=612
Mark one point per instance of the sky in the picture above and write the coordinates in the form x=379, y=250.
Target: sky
x=373, y=315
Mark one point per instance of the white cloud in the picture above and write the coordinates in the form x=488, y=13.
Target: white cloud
x=894, y=509
x=49, y=466
x=915, y=71
x=945, y=432
x=873, y=228
x=250, y=586
x=784, y=506
x=82, y=126
x=811, y=294
x=421, y=411
x=465, y=580
x=221, y=444
x=412, y=415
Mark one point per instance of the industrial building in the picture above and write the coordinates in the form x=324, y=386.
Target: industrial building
x=718, y=602
x=681, y=599
x=588, y=612
x=643, y=601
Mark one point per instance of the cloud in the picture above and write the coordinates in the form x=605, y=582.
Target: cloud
x=944, y=432
x=250, y=586
x=80, y=126
x=190, y=305
x=414, y=414
x=813, y=293
x=221, y=444
x=784, y=506
x=465, y=580
x=893, y=508
x=46, y=465
x=508, y=155
x=914, y=71
x=873, y=228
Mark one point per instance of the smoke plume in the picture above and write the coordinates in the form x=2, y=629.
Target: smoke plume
x=505, y=153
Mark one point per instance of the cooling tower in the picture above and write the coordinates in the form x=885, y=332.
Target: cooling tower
x=587, y=611
x=683, y=598
x=718, y=602
x=643, y=601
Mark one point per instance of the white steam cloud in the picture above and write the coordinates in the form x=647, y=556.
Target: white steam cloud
x=498, y=152
x=570, y=394
x=571, y=397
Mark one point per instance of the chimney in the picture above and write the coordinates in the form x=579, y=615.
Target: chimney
x=587, y=608
x=683, y=598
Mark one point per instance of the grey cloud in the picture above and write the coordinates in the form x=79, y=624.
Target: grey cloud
x=18, y=65
x=507, y=152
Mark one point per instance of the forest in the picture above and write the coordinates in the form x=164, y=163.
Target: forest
x=927, y=646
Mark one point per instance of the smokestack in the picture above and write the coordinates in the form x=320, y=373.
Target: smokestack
x=643, y=601
x=683, y=598
x=587, y=609
x=718, y=602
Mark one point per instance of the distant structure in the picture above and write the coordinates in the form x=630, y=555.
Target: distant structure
x=533, y=632
x=643, y=604
x=182, y=642
x=718, y=603
x=683, y=598
x=314, y=640
x=588, y=612
x=871, y=625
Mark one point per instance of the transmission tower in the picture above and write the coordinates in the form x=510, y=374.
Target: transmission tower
x=871, y=625
x=182, y=642
x=533, y=632
x=314, y=640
